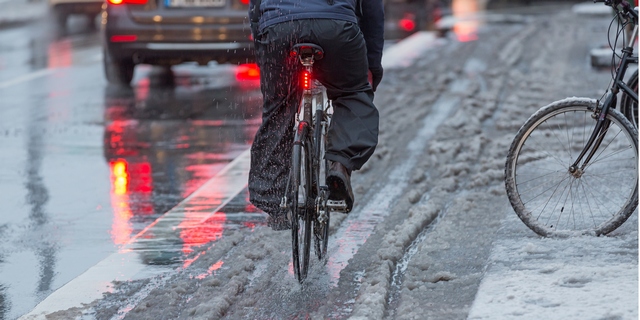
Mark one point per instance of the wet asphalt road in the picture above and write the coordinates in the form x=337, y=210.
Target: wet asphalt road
x=86, y=165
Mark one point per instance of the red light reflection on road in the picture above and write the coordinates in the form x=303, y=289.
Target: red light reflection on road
x=121, y=227
x=142, y=89
x=59, y=54
x=127, y=180
x=466, y=29
x=347, y=244
x=211, y=270
x=195, y=233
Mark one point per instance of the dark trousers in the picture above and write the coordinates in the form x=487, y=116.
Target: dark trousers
x=353, y=133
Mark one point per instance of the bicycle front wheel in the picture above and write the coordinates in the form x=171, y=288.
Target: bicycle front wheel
x=300, y=210
x=549, y=198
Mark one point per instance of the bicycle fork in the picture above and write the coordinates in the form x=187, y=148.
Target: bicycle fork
x=595, y=140
x=602, y=124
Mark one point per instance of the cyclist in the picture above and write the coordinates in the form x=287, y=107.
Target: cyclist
x=351, y=34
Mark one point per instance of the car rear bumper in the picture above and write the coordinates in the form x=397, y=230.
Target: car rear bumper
x=173, y=43
x=175, y=53
x=80, y=7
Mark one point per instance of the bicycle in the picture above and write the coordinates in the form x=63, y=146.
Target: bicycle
x=306, y=196
x=629, y=106
x=572, y=168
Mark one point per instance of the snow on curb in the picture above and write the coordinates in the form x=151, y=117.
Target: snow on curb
x=552, y=278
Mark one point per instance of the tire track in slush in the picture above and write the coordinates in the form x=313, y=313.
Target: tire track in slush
x=354, y=232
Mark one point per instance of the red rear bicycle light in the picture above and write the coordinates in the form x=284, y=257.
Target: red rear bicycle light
x=306, y=80
x=244, y=1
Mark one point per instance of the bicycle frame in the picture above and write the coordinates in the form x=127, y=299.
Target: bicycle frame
x=601, y=126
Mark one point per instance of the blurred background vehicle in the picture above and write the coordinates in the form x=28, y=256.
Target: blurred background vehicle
x=404, y=17
x=62, y=9
x=169, y=32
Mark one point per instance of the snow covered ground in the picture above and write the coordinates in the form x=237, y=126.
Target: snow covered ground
x=432, y=235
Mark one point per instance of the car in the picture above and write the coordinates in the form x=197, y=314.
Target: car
x=62, y=9
x=170, y=32
x=405, y=17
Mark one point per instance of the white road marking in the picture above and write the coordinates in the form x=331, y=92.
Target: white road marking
x=26, y=77
x=124, y=265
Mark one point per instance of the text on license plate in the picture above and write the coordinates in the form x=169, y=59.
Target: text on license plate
x=195, y=3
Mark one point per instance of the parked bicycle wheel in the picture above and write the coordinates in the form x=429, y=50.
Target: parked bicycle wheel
x=300, y=211
x=551, y=200
x=628, y=106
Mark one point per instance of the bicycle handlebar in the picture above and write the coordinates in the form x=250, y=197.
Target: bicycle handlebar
x=626, y=7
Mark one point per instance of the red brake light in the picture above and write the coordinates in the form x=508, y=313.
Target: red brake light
x=245, y=2
x=306, y=80
x=248, y=71
x=407, y=24
x=124, y=38
x=138, y=2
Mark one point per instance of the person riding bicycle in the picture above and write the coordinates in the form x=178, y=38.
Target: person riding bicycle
x=351, y=32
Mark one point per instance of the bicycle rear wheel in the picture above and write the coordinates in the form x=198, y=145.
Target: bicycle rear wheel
x=550, y=199
x=628, y=106
x=301, y=212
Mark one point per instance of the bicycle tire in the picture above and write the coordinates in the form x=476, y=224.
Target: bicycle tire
x=300, y=211
x=540, y=186
x=321, y=229
x=628, y=106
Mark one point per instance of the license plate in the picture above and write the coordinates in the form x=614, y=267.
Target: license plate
x=195, y=3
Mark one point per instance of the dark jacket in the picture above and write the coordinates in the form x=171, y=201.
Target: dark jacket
x=368, y=14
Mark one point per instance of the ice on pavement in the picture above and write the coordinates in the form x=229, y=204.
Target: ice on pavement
x=573, y=278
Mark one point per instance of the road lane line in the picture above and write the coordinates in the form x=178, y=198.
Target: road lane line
x=26, y=77
x=125, y=264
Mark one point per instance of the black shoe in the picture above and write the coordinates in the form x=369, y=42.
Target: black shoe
x=339, y=183
x=279, y=222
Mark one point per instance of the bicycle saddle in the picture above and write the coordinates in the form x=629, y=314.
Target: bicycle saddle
x=307, y=50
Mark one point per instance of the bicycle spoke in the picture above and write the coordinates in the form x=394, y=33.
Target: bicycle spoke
x=526, y=182
x=544, y=149
x=557, y=203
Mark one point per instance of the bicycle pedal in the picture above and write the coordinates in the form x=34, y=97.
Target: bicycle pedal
x=337, y=205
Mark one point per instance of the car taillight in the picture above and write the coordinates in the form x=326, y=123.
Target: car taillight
x=124, y=38
x=248, y=72
x=117, y=2
x=244, y=2
x=407, y=23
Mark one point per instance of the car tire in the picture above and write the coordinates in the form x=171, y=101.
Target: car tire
x=93, y=25
x=60, y=16
x=118, y=71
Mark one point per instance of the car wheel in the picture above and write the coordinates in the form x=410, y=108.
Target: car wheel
x=93, y=25
x=60, y=16
x=118, y=71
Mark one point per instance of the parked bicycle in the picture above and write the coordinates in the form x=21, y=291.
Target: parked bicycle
x=572, y=168
x=306, y=198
